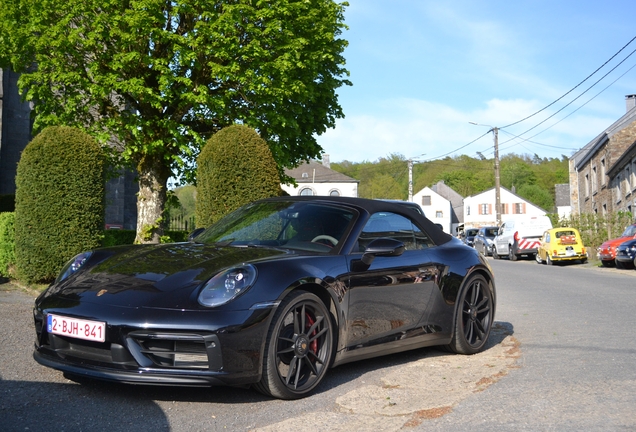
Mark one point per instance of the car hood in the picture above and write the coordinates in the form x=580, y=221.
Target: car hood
x=615, y=242
x=153, y=275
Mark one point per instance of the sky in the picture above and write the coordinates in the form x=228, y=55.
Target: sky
x=423, y=70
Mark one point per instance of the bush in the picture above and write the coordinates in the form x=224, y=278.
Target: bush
x=596, y=228
x=59, y=201
x=234, y=168
x=7, y=244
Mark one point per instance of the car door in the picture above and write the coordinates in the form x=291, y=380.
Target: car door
x=388, y=299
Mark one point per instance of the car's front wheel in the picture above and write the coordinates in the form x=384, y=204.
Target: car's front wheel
x=474, y=317
x=537, y=256
x=298, y=347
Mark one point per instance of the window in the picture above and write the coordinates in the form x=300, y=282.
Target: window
x=628, y=181
x=603, y=172
x=604, y=208
x=426, y=200
x=398, y=227
x=504, y=208
x=305, y=175
x=467, y=210
x=594, y=180
x=306, y=191
x=617, y=187
x=334, y=192
x=485, y=209
x=439, y=214
x=587, y=185
x=520, y=208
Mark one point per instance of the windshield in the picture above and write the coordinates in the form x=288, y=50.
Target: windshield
x=630, y=231
x=295, y=225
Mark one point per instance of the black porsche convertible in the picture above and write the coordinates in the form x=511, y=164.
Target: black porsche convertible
x=272, y=295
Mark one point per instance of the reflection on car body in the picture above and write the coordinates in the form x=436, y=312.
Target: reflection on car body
x=272, y=296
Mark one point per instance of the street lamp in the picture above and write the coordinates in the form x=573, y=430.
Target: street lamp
x=495, y=132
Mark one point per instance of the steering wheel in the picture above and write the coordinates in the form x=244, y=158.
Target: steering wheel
x=325, y=237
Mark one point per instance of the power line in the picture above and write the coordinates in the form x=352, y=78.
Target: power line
x=576, y=86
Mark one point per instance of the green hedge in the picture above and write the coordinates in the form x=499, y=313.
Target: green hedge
x=234, y=168
x=59, y=201
x=7, y=243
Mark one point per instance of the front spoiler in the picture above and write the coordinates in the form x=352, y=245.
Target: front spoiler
x=144, y=376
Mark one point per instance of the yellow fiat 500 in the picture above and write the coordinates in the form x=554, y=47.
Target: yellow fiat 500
x=561, y=245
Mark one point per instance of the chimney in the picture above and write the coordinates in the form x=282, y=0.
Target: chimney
x=630, y=101
x=327, y=164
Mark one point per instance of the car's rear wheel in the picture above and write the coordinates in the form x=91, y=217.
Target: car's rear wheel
x=298, y=347
x=512, y=256
x=474, y=317
x=548, y=261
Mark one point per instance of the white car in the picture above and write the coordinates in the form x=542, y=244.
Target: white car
x=518, y=237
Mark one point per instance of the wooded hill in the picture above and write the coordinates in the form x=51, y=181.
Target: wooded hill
x=531, y=177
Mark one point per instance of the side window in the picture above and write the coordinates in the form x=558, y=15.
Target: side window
x=391, y=225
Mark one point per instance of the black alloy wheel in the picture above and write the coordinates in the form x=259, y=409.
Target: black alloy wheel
x=299, y=347
x=474, y=317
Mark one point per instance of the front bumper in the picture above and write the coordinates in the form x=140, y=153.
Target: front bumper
x=186, y=348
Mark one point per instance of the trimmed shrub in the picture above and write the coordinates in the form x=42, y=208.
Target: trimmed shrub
x=234, y=168
x=59, y=201
x=7, y=244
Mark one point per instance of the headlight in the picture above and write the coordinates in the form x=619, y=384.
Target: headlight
x=73, y=265
x=227, y=285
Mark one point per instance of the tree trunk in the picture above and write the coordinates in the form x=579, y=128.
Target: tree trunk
x=151, y=200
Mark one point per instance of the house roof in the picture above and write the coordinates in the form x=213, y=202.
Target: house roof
x=583, y=156
x=562, y=192
x=315, y=172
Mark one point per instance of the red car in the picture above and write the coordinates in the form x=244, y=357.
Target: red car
x=607, y=251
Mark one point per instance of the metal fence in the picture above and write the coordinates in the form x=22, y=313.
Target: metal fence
x=180, y=223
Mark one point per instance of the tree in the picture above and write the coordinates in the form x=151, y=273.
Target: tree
x=159, y=77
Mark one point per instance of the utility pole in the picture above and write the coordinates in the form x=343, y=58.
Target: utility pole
x=495, y=132
x=410, y=161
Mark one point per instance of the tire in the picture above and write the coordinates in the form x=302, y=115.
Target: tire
x=299, y=347
x=548, y=261
x=619, y=264
x=511, y=253
x=538, y=258
x=607, y=263
x=474, y=317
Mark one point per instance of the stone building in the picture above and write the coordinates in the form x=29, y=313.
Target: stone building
x=16, y=125
x=602, y=175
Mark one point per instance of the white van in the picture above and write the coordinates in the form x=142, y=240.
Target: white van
x=520, y=236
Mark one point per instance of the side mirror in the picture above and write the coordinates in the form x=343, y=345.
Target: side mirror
x=382, y=247
x=195, y=233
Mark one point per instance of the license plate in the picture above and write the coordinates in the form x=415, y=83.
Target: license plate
x=76, y=328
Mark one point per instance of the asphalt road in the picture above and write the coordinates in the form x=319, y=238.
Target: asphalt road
x=564, y=340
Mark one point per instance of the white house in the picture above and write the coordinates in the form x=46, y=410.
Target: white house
x=479, y=210
x=315, y=178
x=436, y=207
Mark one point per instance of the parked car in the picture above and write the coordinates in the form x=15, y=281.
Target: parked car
x=468, y=236
x=521, y=236
x=484, y=240
x=272, y=295
x=561, y=245
x=626, y=254
x=607, y=251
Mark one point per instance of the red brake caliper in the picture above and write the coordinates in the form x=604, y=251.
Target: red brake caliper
x=314, y=345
